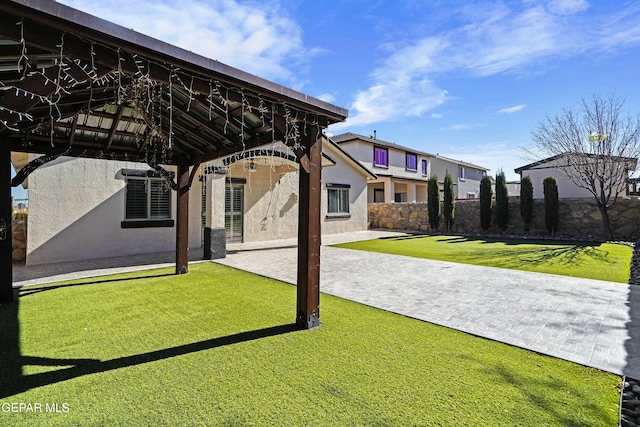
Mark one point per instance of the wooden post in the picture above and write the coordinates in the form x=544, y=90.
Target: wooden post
x=308, y=290
x=6, y=266
x=182, y=223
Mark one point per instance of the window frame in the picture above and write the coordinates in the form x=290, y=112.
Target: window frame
x=152, y=181
x=385, y=150
x=343, y=200
x=414, y=163
x=424, y=167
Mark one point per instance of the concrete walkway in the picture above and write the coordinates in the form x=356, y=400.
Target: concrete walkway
x=591, y=322
x=594, y=323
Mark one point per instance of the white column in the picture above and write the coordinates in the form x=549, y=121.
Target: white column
x=389, y=191
x=411, y=192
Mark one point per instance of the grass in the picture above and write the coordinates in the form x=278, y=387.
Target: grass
x=601, y=261
x=216, y=347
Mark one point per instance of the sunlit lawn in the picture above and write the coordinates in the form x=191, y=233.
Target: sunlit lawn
x=602, y=261
x=216, y=347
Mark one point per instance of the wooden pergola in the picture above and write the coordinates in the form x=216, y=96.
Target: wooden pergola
x=72, y=84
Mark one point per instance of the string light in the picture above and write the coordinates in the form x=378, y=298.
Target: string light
x=147, y=98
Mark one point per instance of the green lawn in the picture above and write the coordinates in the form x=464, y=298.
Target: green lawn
x=217, y=347
x=602, y=261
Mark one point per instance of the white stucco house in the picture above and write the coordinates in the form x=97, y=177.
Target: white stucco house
x=558, y=167
x=403, y=173
x=89, y=208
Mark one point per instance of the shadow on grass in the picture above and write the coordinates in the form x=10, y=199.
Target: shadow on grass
x=12, y=362
x=34, y=289
x=533, y=390
x=537, y=390
x=545, y=252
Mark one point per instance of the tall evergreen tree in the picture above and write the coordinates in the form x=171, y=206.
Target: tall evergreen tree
x=526, y=202
x=433, y=202
x=486, y=193
x=502, y=201
x=449, y=202
x=551, y=210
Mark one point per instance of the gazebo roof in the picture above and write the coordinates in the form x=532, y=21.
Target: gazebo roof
x=76, y=85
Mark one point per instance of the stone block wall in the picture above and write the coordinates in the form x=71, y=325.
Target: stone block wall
x=19, y=238
x=579, y=218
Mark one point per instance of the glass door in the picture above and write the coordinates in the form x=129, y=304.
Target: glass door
x=233, y=210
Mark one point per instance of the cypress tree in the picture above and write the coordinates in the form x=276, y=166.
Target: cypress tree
x=551, y=214
x=502, y=201
x=526, y=202
x=449, y=202
x=433, y=202
x=486, y=193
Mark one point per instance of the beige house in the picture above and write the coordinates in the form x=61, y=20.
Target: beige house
x=403, y=173
x=88, y=208
x=559, y=167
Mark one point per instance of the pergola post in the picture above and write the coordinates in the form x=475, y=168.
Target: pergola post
x=308, y=290
x=6, y=266
x=182, y=223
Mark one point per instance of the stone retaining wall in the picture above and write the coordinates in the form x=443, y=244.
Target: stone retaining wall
x=579, y=218
x=19, y=237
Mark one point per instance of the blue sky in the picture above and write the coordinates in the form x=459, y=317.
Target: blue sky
x=464, y=79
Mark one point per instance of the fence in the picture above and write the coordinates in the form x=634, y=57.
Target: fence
x=579, y=218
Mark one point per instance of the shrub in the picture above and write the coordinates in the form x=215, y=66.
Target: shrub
x=433, y=202
x=526, y=202
x=449, y=202
x=551, y=215
x=502, y=201
x=486, y=193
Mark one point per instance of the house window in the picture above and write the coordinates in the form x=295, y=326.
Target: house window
x=423, y=164
x=463, y=173
x=338, y=200
x=400, y=197
x=147, y=203
x=380, y=157
x=412, y=162
x=378, y=195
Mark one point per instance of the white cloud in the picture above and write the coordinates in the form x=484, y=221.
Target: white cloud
x=493, y=39
x=436, y=116
x=457, y=126
x=565, y=7
x=255, y=37
x=514, y=109
x=327, y=97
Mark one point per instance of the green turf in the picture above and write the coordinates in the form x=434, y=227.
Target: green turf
x=216, y=347
x=601, y=261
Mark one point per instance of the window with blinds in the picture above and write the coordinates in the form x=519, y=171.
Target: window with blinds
x=147, y=199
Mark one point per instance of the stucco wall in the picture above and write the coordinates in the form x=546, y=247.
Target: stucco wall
x=566, y=188
x=271, y=199
x=579, y=218
x=76, y=207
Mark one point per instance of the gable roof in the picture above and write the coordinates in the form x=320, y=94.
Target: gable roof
x=541, y=162
x=460, y=162
x=350, y=136
x=352, y=160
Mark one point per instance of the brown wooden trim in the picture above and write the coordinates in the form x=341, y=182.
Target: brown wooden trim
x=308, y=289
x=182, y=226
